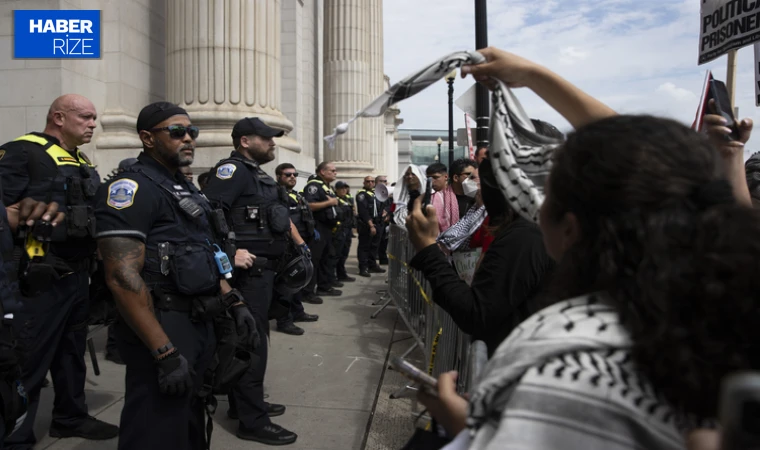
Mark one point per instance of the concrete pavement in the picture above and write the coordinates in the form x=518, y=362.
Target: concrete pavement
x=328, y=378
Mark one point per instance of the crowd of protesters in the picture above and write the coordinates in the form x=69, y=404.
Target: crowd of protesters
x=611, y=320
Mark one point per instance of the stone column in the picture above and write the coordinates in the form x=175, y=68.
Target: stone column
x=347, y=90
x=390, y=144
x=376, y=85
x=223, y=64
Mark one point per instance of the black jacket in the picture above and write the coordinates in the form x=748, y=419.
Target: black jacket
x=513, y=271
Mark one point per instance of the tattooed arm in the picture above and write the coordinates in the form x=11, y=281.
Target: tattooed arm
x=123, y=259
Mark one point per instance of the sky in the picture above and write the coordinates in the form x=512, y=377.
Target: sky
x=637, y=56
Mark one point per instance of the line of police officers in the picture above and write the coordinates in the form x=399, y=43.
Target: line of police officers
x=189, y=326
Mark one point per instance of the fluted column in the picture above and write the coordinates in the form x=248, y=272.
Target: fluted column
x=376, y=85
x=347, y=90
x=223, y=64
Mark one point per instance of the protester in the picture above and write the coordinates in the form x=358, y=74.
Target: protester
x=481, y=154
x=509, y=278
x=652, y=301
x=442, y=198
x=412, y=180
x=458, y=235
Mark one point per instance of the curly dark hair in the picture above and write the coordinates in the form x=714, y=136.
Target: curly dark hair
x=662, y=234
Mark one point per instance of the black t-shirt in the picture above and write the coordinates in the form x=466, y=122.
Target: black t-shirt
x=464, y=203
x=512, y=273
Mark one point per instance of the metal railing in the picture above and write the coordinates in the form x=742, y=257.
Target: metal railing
x=433, y=330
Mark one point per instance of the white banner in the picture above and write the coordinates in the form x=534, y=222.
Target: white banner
x=469, y=135
x=757, y=74
x=727, y=25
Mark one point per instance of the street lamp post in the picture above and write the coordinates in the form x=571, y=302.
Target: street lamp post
x=450, y=80
x=439, y=142
x=482, y=106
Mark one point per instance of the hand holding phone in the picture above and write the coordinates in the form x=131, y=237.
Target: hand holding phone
x=722, y=106
x=425, y=381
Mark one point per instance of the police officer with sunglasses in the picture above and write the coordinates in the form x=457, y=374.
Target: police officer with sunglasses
x=162, y=262
x=257, y=212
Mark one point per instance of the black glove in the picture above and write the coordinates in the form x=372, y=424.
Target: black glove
x=175, y=377
x=245, y=324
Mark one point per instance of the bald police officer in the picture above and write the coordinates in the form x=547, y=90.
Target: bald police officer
x=52, y=328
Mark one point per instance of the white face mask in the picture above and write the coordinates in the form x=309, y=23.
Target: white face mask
x=470, y=187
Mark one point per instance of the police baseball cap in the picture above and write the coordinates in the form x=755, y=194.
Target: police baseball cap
x=254, y=125
x=157, y=112
x=341, y=184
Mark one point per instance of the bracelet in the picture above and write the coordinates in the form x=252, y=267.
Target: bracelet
x=161, y=350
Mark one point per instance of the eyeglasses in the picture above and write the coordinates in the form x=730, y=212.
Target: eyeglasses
x=290, y=174
x=179, y=131
x=369, y=181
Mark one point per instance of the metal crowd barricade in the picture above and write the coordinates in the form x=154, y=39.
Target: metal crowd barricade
x=434, y=331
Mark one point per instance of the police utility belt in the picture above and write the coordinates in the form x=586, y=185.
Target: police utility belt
x=260, y=220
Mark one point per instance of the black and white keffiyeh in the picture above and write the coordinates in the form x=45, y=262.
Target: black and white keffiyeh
x=520, y=152
x=459, y=235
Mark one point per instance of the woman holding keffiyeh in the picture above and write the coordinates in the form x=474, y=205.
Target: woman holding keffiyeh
x=653, y=300
x=412, y=180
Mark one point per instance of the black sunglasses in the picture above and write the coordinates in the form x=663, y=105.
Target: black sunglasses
x=179, y=131
x=292, y=174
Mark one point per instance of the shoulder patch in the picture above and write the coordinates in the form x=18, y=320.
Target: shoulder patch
x=121, y=193
x=225, y=171
x=360, y=196
x=312, y=189
x=2, y=153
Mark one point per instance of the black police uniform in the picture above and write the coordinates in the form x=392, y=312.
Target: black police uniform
x=341, y=239
x=382, y=247
x=367, y=210
x=11, y=386
x=52, y=328
x=317, y=191
x=341, y=268
x=303, y=219
x=256, y=209
x=143, y=203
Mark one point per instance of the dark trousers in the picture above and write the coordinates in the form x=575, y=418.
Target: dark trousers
x=339, y=241
x=320, y=257
x=317, y=247
x=151, y=420
x=382, y=249
x=111, y=347
x=296, y=308
x=377, y=241
x=52, y=333
x=367, y=248
x=345, y=249
x=247, y=399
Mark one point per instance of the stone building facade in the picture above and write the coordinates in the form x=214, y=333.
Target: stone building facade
x=301, y=65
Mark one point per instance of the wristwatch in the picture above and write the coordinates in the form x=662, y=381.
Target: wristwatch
x=161, y=350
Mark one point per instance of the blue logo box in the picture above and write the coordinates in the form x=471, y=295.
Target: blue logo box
x=70, y=34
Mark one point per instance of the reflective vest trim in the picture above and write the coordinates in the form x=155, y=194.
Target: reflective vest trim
x=60, y=156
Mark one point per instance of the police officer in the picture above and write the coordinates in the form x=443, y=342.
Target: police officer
x=52, y=328
x=24, y=213
x=257, y=212
x=325, y=206
x=369, y=217
x=348, y=223
x=155, y=238
x=385, y=207
x=301, y=216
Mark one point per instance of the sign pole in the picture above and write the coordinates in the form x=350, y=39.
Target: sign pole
x=731, y=76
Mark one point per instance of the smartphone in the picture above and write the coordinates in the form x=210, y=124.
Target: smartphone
x=740, y=411
x=428, y=193
x=428, y=383
x=722, y=106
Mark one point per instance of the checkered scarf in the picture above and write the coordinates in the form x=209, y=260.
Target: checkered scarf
x=522, y=154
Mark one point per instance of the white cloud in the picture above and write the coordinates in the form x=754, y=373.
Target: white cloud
x=677, y=93
x=639, y=56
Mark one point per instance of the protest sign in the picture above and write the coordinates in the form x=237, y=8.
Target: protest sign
x=727, y=25
x=465, y=263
